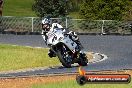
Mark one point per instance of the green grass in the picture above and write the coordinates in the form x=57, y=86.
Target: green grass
x=18, y=8
x=20, y=57
x=73, y=84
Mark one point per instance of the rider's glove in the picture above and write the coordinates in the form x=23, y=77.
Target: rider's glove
x=74, y=35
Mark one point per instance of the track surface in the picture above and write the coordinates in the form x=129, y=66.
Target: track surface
x=117, y=48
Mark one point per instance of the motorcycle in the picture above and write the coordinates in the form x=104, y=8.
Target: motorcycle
x=65, y=48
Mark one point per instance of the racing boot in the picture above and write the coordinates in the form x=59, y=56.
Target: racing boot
x=51, y=54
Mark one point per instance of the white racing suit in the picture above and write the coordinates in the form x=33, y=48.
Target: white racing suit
x=72, y=34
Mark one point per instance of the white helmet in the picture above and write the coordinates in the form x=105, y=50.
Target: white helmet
x=46, y=21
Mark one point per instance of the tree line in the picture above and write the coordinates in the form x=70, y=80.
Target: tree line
x=87, y=9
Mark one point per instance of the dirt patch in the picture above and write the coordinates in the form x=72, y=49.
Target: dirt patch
x=89, y=55
x=27, y=82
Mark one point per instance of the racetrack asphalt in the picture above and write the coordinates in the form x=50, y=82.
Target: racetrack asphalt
x=117, y=48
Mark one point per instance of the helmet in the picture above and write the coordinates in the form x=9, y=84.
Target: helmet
x=46, y=24
x=46, y=21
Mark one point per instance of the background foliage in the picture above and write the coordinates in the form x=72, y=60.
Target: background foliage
x=89, y=9
x=105, y=9
x=53, y=8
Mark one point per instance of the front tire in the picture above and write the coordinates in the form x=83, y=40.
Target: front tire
x=64, y=60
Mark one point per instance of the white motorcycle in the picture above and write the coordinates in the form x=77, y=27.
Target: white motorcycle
x=65, y=48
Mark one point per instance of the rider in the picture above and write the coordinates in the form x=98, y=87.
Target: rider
x=47, y=26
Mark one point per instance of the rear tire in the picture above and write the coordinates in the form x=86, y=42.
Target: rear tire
x=83, y=59
x=63, y=61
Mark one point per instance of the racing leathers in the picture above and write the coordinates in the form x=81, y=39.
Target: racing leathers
x=72, y=34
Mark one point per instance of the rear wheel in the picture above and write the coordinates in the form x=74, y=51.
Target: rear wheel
x=65, y=59
x=83, y=59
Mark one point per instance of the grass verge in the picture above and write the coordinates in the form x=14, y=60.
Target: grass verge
x=20, y=57
x=18, y=8
x=73, y=84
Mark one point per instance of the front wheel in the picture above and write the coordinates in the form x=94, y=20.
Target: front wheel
x=82, y=59
x=66, y=60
